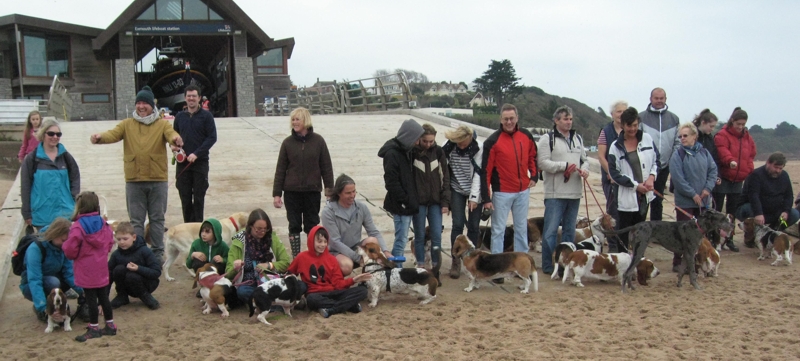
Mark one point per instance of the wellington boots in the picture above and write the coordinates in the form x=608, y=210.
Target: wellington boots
x=455, y=268
x=294, y=242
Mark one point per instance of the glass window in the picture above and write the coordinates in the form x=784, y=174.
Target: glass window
x=212, y=15
x=168, y=9
x=96, y=98
x=271, y=62
x=194, y=10
x=57, y=57
x=149, y=14
x=35, y=56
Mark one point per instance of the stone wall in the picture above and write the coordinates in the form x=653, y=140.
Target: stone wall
x=90, y=111
x=124, y=87
x=245, y=102
x=5, y=88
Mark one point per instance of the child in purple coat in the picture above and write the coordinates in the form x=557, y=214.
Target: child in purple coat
x=89, y=242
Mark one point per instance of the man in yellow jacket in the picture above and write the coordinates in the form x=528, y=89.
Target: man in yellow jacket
x=145, y=155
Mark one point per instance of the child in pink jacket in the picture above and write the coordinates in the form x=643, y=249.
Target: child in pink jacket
x=89, y=242
x=29, y=139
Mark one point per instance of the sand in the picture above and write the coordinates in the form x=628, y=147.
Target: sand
x=749, y=312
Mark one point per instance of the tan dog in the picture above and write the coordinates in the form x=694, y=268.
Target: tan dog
x=213, y=288
x=178, y=239
x=483, y=265
x=706, y=259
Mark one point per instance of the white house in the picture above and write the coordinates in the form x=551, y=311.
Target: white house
x=446, y=89
x=480, y=101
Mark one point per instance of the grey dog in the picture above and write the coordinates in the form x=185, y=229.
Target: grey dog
x=679, y=237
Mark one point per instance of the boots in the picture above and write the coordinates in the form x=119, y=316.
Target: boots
x=455, y=268
x=120, y=300
x=149, y=301
x=294, y=242
x=730, y=245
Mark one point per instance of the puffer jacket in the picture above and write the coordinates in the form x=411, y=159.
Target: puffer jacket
x=553, y=164
x=431, y=176
x=89, y=242
x=49, y=191
x=141, y=255
x=662, y=127
x=622, y=173
x=737, y=147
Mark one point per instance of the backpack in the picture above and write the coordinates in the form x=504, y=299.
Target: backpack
x=18, y=257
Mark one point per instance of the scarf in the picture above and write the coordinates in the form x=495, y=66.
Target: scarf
x=693, y=149
x=258, y=251
x=146, y=120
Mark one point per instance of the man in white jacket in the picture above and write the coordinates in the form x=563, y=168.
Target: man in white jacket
x=562, y=160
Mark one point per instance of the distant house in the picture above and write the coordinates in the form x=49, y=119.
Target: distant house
x=446, y=89
x=325, y=87
x=480, y=101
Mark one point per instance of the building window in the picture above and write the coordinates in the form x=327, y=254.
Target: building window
x=95, y=98
x=46, y=56
x=179, y=10
x=271, y=62
x=149, y=14
x=168, y=10
x=194, y=10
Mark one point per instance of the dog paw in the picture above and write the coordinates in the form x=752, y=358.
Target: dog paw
x=579, y=285
x=224, y=315
x=373, y=304
x=48, y=330
x=169, y=278
x=524, y=291
x=468, y=289
x=205, y=312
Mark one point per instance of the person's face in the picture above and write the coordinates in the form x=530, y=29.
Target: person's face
x=617, y=113
x=564, y=122
x=320, y=244
x=739, y=124
x=509, y=120
x=143, y=109
x=259, y=229
x=55, y=138
x=125, y=240
x=658, y=99
x=58, y=241
x=298, y=124
x=630, y=130
x=426, y=141
x=774, y=170
x=36, y=121
x=192, y=99
x=207, y=235
x=464, y=143
x=707, y=127
x=348, y=195
x=687, y=138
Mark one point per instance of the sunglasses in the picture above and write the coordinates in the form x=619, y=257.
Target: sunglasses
x=684, y=136
x=54, y=134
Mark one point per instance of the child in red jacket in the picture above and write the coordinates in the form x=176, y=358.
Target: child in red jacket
x=319, y=270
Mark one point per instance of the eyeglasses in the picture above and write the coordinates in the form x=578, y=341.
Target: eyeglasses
x=54, y=134
x=684, y=136
x=260, y=229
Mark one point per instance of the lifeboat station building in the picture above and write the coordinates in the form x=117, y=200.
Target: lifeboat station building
x=165, y=44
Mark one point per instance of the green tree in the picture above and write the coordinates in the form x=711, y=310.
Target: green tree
x=501, y=81
x=756, y=129
x=784, y=129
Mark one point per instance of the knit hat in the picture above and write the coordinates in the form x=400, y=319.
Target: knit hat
x=146, y=95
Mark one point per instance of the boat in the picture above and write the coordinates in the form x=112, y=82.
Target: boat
x=172, y=73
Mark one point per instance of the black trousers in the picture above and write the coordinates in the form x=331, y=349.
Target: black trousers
x=656, y=207
x=192, y=184
x=730, y=205
x=627, y=219
x=337, y=301
x=132, y=283
x=95, y=296
x=302, y=210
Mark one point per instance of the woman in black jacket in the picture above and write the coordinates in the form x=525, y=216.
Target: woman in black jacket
x=133, y=268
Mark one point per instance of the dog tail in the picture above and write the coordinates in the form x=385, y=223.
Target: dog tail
x=609, y=233
x=250, y=304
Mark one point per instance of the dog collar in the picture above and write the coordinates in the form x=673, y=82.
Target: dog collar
x=468, y=253
x=233, y=221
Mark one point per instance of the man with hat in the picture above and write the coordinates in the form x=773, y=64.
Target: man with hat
x=145, y=157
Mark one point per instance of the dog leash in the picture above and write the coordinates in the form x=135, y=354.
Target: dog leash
x=179, y=175
x=587, y=185
x=681, y=209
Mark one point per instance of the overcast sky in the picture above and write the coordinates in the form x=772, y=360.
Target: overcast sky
x=715, y=54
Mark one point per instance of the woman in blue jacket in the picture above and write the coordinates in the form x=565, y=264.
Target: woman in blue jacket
x=49, y=270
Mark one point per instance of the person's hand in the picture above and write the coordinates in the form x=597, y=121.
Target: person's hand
x=583, y=173
x=362, y=277
x=200, y=256
x=237, y=264
x=608, y=176
x=705, y=193
x=387, y=254
x=532, y=183
x=94, y=138
x=445, y=210
x=178, y=141
x=698, y=200
x=132, y=266
x=640, y=188
x=719, y=181
x=174, y=148
x=191, y=158
x=759, y=219
x=472, y=205
x=28, y=222
x=489, y=206
x=276, y=201
x=784, y=216
x=733, y=164
x=217, y=259
x=649, y=182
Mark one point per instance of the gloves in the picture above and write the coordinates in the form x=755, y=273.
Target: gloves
x=567, y=172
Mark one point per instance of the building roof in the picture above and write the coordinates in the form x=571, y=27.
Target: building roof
x=49, y=25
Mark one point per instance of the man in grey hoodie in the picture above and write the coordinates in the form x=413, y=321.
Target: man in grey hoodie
x=401, y=192
x=661, y=125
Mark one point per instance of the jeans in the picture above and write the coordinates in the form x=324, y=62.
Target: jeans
x=458, y=207
x=192, y=184
x=148, y=200
x=557, y=212
x=50, y=283
x=337, y=301
x=401, y=224
x=745, y=211
x=302, y=210
x=434, y=215
x=244, y=292
x=132, y=283
x=656, y=207
x=517, y=203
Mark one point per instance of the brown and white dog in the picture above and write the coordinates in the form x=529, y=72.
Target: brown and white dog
x=596, y=228
x=563, y=250
x=178, y=239
x=417, y=281
x=214, y=288
x=646, y=271
x=706, y=259
x=483, y=265
x=770, y=242
x=535, y=231
x=605, y=266
x=57, y=311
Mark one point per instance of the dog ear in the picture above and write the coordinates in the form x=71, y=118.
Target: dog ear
x=641, y=277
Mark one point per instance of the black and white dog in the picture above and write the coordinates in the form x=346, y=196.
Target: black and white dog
x=398, y=280
x=563, y=250
x=285, y=292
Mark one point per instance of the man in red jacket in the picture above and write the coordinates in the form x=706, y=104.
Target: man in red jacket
x=509, y=156
x=319, y=270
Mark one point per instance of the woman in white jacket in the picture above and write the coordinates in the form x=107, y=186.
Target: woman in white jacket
x=633, y=165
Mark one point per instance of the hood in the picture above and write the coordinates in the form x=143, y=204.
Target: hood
x=733, y=131
x=310, y=243
x=408, y=133
x=137, y=243
x=216, y=226
x=91, y=222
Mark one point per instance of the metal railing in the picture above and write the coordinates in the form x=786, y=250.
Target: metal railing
x=59, y=104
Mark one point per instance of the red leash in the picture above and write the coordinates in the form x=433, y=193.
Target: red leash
x=585, y=185
x=179, y=175
x=681, y=209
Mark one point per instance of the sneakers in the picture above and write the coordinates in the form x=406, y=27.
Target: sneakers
x=325, y=312
x=149, y=301
x=109, y=330
x=91, y=332
x=120, y=300
x=355, y=309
